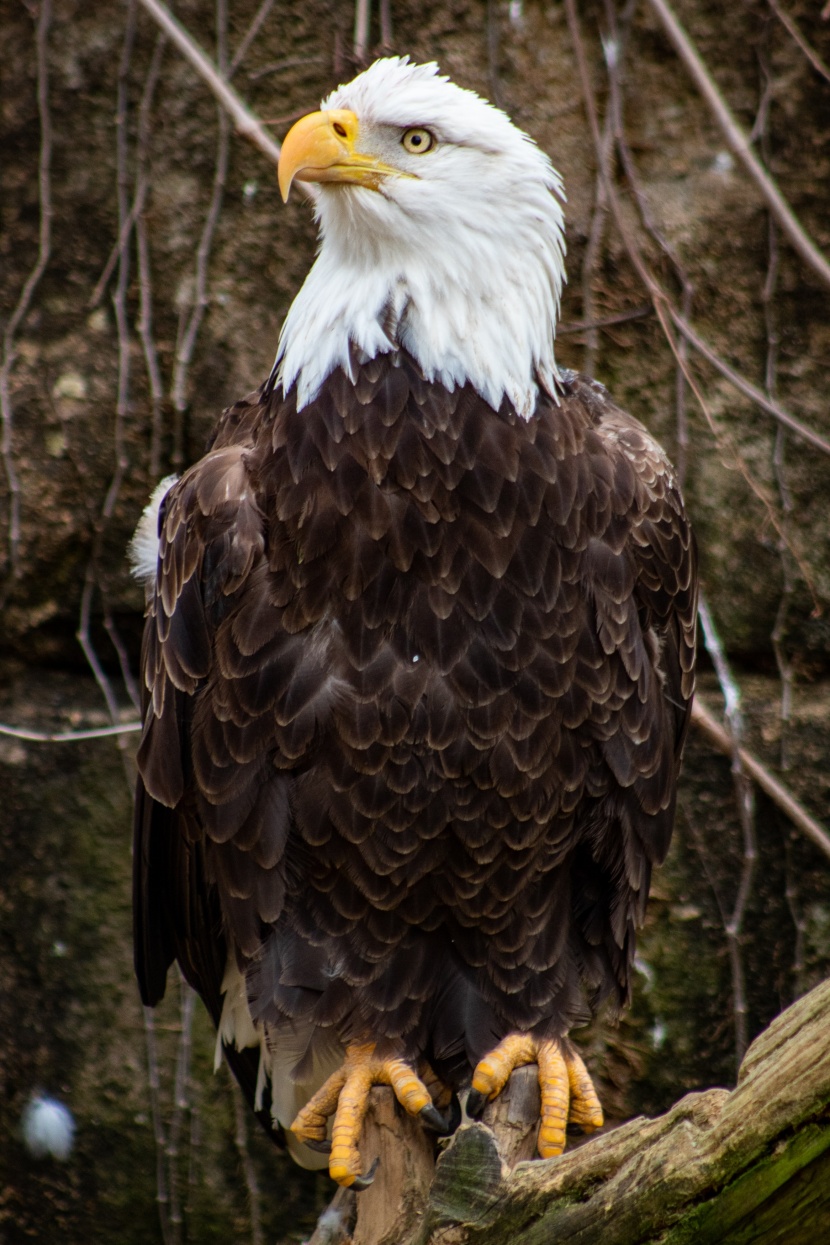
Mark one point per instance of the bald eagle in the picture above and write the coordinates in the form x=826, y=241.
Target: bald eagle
x=419, y=653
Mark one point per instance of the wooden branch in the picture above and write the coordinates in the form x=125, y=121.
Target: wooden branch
x=393, y=1203
x=739, y=142
x=770, y=785
x=748, y=1166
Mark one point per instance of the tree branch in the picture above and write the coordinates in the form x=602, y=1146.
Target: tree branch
x=738, y=141
x=777, y=792
x=244, y=120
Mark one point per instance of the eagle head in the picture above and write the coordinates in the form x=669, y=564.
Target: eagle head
x=442, y=234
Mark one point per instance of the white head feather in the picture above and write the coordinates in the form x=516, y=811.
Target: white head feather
x=466, y=258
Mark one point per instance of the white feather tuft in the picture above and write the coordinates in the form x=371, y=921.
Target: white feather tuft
x=48, y=1128
x=236, y=1028
x=143, y=549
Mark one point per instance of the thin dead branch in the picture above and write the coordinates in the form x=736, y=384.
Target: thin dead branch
x=809, y=51
x=780, y=795
x=154, y=1087
x=122, y=395
x=680, y=388
x=791, y=894
x=240, y=1115
x=24, y=301
x=575, y=326
x=250, y=34
x=191, y=324
x=287, y=62
x=786, y=668
x=115, y=254
x=662, y=304
x=739, y=143
x=362, y=18
x=593, y=251
x=681, y=321
x=144, y=324
x=180, y=1106
x=386, y=24
x=493, y=53
x=745, y=799
x=244, y=120
x=746, y=387
x=65, y=737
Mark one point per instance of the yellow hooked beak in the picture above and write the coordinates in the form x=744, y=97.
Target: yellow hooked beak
x=321, y=148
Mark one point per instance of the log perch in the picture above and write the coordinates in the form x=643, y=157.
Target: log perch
x=746, y=1167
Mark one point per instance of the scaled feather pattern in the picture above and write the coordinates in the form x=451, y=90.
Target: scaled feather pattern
x=419, y=655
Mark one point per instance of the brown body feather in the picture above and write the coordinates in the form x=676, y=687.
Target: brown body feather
x=418, y=677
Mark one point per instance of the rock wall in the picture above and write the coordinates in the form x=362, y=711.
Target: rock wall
x=112, y=374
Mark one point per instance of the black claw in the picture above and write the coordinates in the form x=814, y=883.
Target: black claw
x=322, y=1147
x=476, y=1102
x=432, y=1117
x=362, y=1182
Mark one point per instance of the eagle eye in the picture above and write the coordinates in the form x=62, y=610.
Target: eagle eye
x=418, y=141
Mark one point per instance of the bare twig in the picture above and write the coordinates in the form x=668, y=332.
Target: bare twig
x=248, y=1169
x=29, y=286
x=189, y=327
x=775, y=790
x=244, y=120
x=785, y=666
x=249, y=36
x=154, y=1086
x=746, y=387
x=362, y=18
x=799, y=921
x=593, y=250
x=287, y=62
x=386, y=24
x=65, y=737
x=660, y=300
x=117, y=248
x=575, y=326
x=194, y=1146
x=738, y=141
x=810, y=52
x=746, y=809
x=120, y=307
x=493, y=49
x=681, y=321
x=681, y=417
x=144, y=324
x=180, y=1105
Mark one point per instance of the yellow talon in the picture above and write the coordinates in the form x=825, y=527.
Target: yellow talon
x=567, y=1093
x=346, y=1095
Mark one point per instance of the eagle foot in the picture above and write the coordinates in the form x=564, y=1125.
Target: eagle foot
x=346, y=1096
x=569, y=1100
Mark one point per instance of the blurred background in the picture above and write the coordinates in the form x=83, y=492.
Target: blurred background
x=147, y=266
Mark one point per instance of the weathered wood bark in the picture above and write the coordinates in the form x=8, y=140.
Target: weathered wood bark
x=752, y=1165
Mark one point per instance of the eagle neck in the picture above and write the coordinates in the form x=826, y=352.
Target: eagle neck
x=472, y=307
